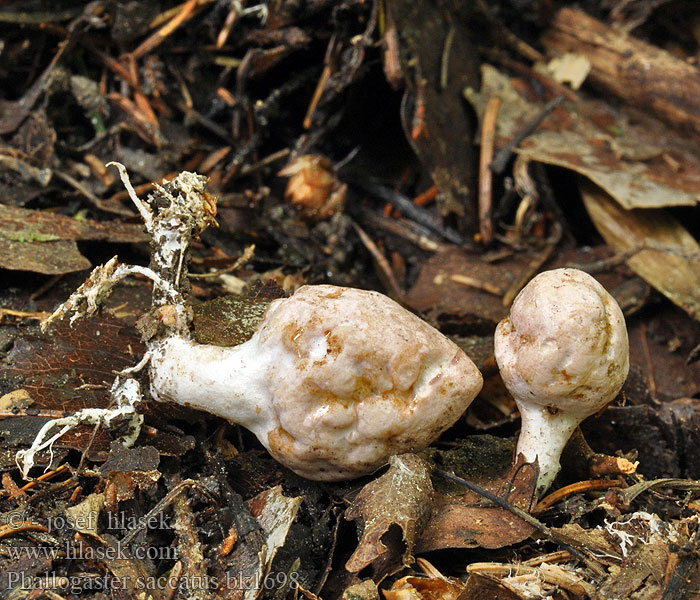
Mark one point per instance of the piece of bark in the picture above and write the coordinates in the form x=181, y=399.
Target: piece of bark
x=641, y=74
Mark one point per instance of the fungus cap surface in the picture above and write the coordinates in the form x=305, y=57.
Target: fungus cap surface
x=356, y=379
x=564, y=344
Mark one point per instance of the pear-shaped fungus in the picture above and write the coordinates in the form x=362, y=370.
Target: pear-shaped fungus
x=333, y=382
x=563, y=354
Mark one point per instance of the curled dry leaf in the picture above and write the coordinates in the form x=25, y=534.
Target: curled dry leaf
x=639, y=161
x=396, y=503
x=313, y=187
x=668, y=257
x=84, y=516
x=404, y=501
x=462, y=519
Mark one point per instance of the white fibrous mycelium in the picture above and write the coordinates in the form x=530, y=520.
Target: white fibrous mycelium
x=563, y=354
x=333, y=382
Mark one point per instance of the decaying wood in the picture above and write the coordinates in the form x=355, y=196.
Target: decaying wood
x=640, y=74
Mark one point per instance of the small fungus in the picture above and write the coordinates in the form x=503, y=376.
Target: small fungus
x=563, y=354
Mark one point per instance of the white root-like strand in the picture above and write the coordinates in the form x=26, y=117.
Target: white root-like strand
x=127, y=392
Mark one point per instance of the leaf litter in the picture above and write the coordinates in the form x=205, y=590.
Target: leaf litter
x=245, y=527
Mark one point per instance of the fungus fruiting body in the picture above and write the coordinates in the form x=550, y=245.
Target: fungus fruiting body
x=563, y=354
x=333, y=382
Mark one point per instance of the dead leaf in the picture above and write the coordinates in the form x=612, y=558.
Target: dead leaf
x=52, y=367
x=83, y=517
x=623, y=154
x=639, y=575
x=569, y=68
x=131, y=468
x=478, y=311
x=466, y=519
x=671, y=264
x=25, y=564
x=42, y=242
x=393, y=508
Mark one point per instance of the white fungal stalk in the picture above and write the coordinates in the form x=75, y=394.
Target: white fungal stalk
x=563, y=354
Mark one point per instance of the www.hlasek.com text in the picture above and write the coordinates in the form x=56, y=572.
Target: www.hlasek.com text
x=72, y=551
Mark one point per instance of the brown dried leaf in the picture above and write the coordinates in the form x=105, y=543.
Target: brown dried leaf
x=83, y=517
x=467, y=520
x=52, y=367
x=639, y=161
x=478, y=311
x=393, y=508
x=131, y=468
x=672, y=262
x=42, y=242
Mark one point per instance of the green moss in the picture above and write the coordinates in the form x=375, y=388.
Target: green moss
x=27, y=235
x=476, y=458
x=228, y=321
